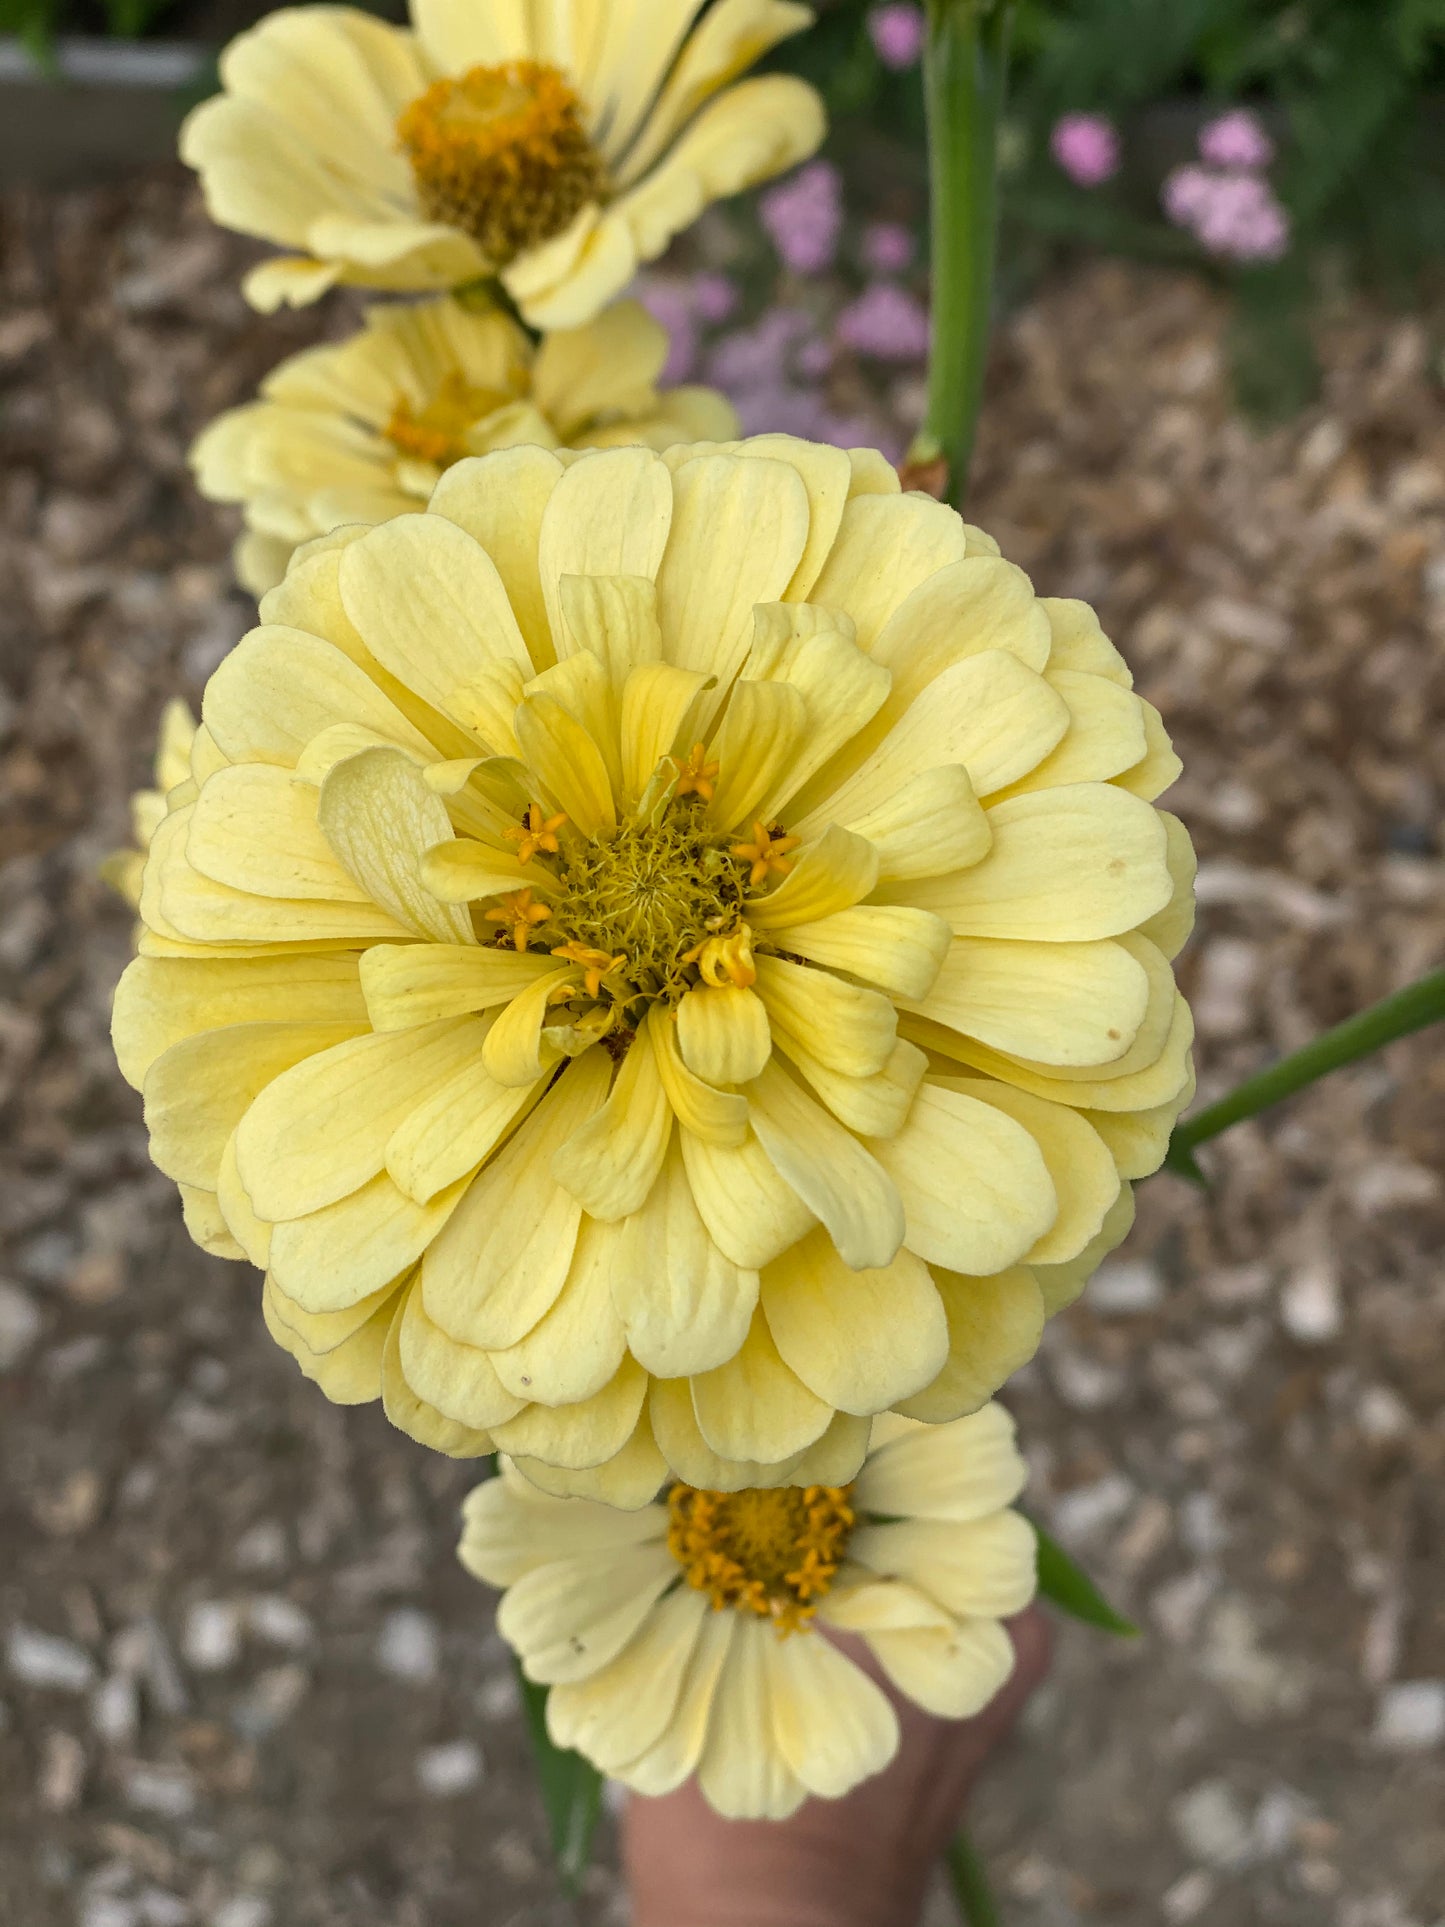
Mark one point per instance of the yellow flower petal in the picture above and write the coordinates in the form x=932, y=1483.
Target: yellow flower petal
x=723, y=1034
x=569, y=1618
x=627, y=1481
x=623, y=1709
x=762, y=728
x=1077, y=642
x=739, y=527
x=510, y=1528
x=414, y=1416
x=712, y=1116
x=1054, y=1003
x=961, y=1471
x=611, y=1164
x=608, y=515
x=685, y=1306
x=952, y=1674
x=198, y=1090
x=582, y=1435
x=319, y=1131
x=886, y=546
x=567, y=763
x=418, y=983
x=1067, y=865
x=253, y=827
x=845, y=1187
x=330, y=1258
x=457, y=1126
x=931, y=825
x=975, y=1188
x=828, y=876
x=899, y=949
x=577, y=1347
x=861, y=1340
x=457, y=1380
x=664, y=1766
x=994, y=1327
x=500, y=501
x=349, y=1373
x=832, y=1725
x=503, y=1258
x=1159, y=768
x=742, y=1773
x=849, y=1029
x=755, y=1406
x=379, y=817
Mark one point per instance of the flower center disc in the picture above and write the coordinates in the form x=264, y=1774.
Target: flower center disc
x=654, y=895
x=774, y=1553
x=502, y=154
x=437, y=433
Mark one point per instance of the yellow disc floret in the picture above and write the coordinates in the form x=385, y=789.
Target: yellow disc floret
x=502, y=153
x=770, y=1551
x=437, y=433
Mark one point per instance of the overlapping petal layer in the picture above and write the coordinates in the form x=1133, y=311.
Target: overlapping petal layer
x=661, y=958
x=559, y=145
x=362, y=430
x=921, y=1559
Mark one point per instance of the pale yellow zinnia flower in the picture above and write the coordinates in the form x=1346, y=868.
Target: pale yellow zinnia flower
x=665, y=957
x=122, y=869
x=557, y=145
x=685, y=1638
x=362, y=430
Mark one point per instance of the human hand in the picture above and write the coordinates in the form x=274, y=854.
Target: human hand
x=862, y=1861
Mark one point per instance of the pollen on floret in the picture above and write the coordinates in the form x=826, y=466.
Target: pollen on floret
x=503, y=154
x=774, y=1552
x=436, y=433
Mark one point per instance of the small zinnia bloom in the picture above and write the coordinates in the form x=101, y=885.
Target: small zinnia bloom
x=557, y=146
x=804, y=218
x=686, y=1638
x=363, y=430
x=662, y=958
x=122, y=869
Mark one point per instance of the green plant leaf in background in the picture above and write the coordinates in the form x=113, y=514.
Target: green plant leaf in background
x=571, y=1789
x=1070, y=1588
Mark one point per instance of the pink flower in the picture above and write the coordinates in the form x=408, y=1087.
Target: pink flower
x=886, y=323
x=804, y=217
x=671, y=303
x=1236, y=140
x=714, y=297
x=887, y=247
x=897, y=34
x=1233, y=213
x=1086, y=146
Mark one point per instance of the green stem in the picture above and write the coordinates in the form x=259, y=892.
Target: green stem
x=971, y=1890
x=965, y=74
x=1411, y=1009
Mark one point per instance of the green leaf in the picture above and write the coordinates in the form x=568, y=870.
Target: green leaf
x=1070, y=1588
x=571, y=1789
x=976, y=1904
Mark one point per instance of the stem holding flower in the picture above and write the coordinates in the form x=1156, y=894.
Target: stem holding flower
x=965, y=66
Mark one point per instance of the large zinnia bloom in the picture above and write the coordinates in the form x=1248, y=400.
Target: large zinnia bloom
x=685, y=1637
x=663, y=958
x=361, y=430
x=557, y=146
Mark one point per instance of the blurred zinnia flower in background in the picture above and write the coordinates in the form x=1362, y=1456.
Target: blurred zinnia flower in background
x=663, y=959
x=897, y=33
x=1236, y=139
x=361, y=431
x=558, y=147
x=886, y=323
x=1236, y=215
x=1086, y=147
x=919, y=1556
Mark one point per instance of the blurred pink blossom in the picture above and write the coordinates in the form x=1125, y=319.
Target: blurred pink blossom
x=887, y=247
x=804, y=217
x=714, y=297
x=1236, y=140
x=1086, y=147
x=897, y=33
x=886, y=323
x=671, y=303
x=1233, y=213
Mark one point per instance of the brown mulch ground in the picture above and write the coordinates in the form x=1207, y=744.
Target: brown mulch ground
x=244, y=1683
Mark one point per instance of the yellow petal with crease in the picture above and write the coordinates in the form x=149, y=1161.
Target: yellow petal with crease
x=501, y=1261
x=899, y=949
x=750, y=1212
x=500, y=501
x=608, y=515
x=762, y=729
x=931, y=824
x=254, y=827
x=456, y=1127
x=331, y=1257
x=578, y=1346
x=582, y=1435
x=848, y=1028
x=841, y=1184
x=459, y=1380
x=723, y=1034
x=419, y=983
x=611, y=1164
x=379, y=817
x=860, y=1340
x=716, y=1117
x=517, y=1052
x=754, y=1406
x=887, y=545
x=1054, y=1003
x=828, y=876
x=975, y=1188
x=567, y=763
x=658, y=703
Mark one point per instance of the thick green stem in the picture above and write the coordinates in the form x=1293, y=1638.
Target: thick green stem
x=965, y=75
x=1411, y=1009
x=971, y=1890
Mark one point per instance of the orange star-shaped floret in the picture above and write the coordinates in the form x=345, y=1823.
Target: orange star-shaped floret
x=521, y=914
x=596, y=964
x=767, y=852
x=536, y=831
x=726, y=960
x=697, y=776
